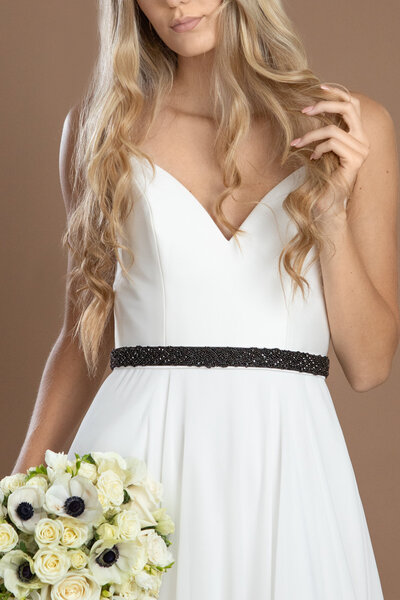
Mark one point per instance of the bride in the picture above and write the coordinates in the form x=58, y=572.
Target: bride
x=259, y=208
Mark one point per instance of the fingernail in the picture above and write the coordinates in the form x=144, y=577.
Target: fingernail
x=313, y=155
x=324, y=87
x=307, y=109
x=295, y=141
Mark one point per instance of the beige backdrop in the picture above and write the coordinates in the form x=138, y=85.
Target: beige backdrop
x=47, y=49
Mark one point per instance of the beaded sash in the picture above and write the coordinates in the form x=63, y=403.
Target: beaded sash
x=219, y=356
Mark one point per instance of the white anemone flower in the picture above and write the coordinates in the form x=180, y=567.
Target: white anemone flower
x=113, y=561
x=25, y=507
x=17, y=572
x=73, y=497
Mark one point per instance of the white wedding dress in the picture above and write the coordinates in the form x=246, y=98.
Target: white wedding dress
x=254, y=466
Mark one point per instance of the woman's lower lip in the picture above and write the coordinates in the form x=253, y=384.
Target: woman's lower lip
x=187, y=26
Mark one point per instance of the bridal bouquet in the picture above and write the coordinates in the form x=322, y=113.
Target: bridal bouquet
x=86, y=529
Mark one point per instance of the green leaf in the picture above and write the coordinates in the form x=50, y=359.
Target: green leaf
x=88, y=458
x=40, y=470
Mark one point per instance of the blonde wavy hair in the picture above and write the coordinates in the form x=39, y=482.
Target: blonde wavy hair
x=260, y=70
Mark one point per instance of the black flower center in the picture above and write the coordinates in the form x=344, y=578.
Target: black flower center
x=24, y=571
x=25, y=511
x=108, y=557
x=74, y=506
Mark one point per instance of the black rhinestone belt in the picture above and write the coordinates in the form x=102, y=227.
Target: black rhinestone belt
x=219, y=356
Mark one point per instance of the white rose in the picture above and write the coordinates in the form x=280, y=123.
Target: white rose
x=155, y=489
x=8, y=537
x=88, y=470
x=128, y=589
x=51, y=564
x=76, y=586
x=38, y=481
x=128, y=524
x=110, y=485
x=113, y=461
x=165, y=524
x=104, y=501
x=150, y=583
x=78, y=559
x=75, y=532
x=9, y=483
x=156, y=549
x=48, y=531
x=107, y=530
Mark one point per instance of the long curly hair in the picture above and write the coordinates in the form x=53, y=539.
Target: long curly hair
x=260, y=70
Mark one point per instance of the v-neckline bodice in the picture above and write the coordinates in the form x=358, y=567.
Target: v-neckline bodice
x=279, y=187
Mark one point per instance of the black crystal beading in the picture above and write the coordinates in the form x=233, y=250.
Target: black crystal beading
x=219, y=356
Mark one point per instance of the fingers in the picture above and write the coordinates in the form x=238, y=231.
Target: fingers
x=329, y=131
x=346, y=108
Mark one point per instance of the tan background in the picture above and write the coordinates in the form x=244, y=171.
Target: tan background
x=47, y=49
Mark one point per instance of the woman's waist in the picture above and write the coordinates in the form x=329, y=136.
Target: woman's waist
x=220, y=357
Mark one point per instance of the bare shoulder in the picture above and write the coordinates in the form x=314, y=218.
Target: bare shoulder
x=67, y=145
x=378, y=125
x=378, y=177
x=373, y=206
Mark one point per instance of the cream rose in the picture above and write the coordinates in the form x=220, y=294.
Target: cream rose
x=150, y=583
x=165, y=524
x=76, y=586
x=110, y=485
x=88, y=470
x=39, y=481
x=113, y=461
x=51, y=564
x=75, y=532
x=48, y=531
x=78, y=559
x=8, y=537
x=104, y=501
x=154, y=488
x=107, y=530
x=9, y=483
x=156, y=549
x=128, y=524
x=128, y=590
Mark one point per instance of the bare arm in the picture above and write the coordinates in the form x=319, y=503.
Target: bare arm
x=66, y=390
x=361, y=278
